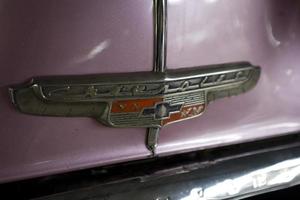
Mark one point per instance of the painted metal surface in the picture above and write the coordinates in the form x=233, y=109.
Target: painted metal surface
x=85, y=37
x=267, y=33
x=65, y=38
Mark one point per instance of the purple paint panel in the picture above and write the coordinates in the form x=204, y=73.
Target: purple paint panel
x=89, y=37
x=266, y=33
x=62, y=38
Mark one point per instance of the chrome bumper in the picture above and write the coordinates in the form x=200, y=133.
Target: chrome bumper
x=232, y=172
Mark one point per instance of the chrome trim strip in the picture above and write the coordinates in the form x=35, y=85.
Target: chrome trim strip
x=160, y=35
x=231, y=174
x=160, y=56
x=119, y=100
x=152, y=139
x=106, y=95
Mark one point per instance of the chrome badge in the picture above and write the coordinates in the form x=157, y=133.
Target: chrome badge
x=145, y=99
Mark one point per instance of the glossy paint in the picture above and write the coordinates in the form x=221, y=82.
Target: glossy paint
x=86, y=37
x=266, y=33
x=60, y=38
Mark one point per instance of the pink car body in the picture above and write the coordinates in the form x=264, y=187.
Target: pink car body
x=91, y=37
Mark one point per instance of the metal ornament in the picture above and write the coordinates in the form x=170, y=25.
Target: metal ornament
x=142, y=99
x=135, y=99
x=160, y=56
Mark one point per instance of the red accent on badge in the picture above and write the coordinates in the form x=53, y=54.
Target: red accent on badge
x=185, y=113
x=134, y=105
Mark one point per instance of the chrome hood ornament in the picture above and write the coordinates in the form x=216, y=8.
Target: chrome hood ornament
x=144, y=99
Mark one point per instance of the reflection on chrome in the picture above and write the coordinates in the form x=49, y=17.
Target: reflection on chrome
x=175, y=2
x=262, y=179
x=211, y=1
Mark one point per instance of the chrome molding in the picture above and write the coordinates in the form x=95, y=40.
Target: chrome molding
x=160, y=56
x=160, y=35
x=142, y=99
x=232, y=172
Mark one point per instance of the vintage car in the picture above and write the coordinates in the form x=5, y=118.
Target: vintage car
x=149, y=99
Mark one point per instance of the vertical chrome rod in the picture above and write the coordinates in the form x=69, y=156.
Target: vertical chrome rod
x=160, y=55
x=160, y=35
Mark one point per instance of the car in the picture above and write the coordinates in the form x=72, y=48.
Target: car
x=157, y=99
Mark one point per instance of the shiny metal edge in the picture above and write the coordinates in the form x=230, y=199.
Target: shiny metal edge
x=141, y=77
x=215, y=82
x=34, y=98
x=232, y=178
x=152, y=139
x=160, y=56
x=160, y=34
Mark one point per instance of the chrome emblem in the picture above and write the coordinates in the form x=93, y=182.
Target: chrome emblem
x=144, y=99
